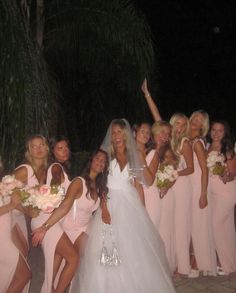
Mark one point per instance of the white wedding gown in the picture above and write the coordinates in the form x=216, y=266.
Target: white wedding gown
x=143, y=267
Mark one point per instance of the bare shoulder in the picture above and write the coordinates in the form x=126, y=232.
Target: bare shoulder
x=21, y=173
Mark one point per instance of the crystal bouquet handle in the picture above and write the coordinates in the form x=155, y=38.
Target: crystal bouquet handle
x=109, y=257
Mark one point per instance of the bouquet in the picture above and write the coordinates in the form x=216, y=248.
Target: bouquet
x=45, y=198
x=216, y=163
x=166, y=174
x=8, y=185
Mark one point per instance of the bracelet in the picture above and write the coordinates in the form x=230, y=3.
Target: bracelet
x=148, y=95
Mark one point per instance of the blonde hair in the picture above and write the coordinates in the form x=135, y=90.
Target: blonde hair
x=122, y=125
x=206, y=121
x=176, y=141
x=28, y=156
x=156, y=127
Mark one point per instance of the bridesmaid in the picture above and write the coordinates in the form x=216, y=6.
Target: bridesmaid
x=161, y=211
x=56, y=245
x=142, y=133
x=223, y=196
x=82, y=199
x=203, y=256
x=14, y=271
x=32, y=172
x=58, y=172
x=182, y=191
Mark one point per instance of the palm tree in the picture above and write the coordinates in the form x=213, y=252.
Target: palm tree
x=27, y=90
x=101, y=51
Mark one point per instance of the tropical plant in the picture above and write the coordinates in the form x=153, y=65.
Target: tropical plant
x=27, y=90
x=101, y=51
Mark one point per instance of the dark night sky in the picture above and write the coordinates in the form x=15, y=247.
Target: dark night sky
x=196, y=55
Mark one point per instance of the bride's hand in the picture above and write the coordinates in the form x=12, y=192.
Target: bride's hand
x=106, y=217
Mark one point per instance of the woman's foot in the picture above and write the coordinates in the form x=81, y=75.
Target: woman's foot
x=194, y=273
x=220, y=271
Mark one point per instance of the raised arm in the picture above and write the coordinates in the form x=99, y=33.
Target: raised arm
x=74, y=191
x=151, y=104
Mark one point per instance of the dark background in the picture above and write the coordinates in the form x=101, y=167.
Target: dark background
x=196, y=56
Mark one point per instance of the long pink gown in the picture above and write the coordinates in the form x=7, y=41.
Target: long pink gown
x=51, y=238
x=223, y=198
x=18, y=218
x=202, y=236
x=161, y=213
x=152, y=198
x=9, y=254
x=183, y=200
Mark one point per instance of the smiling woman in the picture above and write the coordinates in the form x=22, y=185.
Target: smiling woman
x=130, y=226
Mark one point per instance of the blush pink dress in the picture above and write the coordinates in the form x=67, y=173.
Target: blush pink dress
x=77, y=220
x=18, y=218
x=167, y=226
x=183, y=200
x=51, y=238
x=9, y=254
x=152, y=198
x=201, y=231
x=223, y=197
x=161, y=213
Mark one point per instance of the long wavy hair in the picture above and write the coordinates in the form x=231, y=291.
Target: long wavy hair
x=206, y=123
x=101, y=179
x=53, y=141
x=122, y=125
x=227, y=145
x=176, y=141
x=28, y=157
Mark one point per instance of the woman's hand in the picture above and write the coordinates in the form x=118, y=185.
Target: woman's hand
x=203, y=202
x=164, y=190
x=38, y=235
x=106, y=217
x=15, y=200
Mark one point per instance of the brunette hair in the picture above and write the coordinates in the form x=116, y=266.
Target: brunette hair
x=101, y=179
x=53, y=141
x=227, y=146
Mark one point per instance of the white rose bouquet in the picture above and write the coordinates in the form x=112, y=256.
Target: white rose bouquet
x=166, y=174
x=8, y=185
x=216, y=163
x=45, y=198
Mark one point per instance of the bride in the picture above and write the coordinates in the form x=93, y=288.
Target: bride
x=128, y=255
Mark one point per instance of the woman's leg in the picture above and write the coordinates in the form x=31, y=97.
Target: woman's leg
x=21, y=277
x=79, y=243
x=67, y=251
x=22, y=274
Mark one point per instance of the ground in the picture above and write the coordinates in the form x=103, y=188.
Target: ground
x=221, y=284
